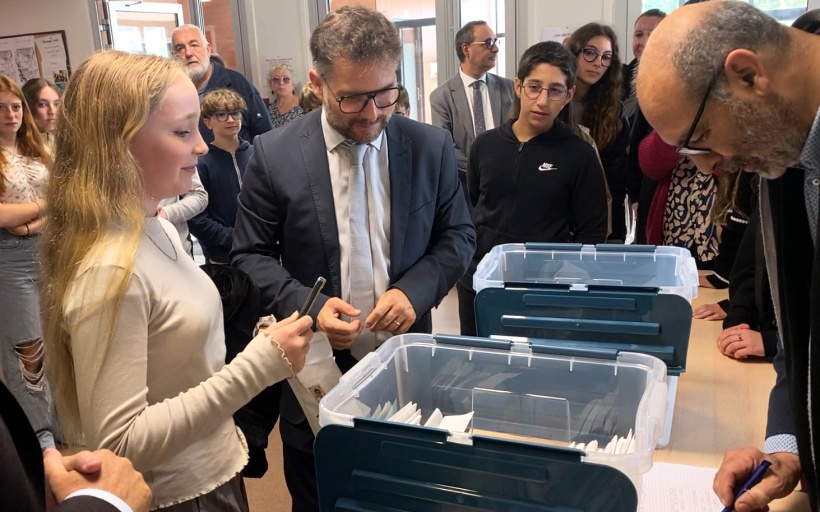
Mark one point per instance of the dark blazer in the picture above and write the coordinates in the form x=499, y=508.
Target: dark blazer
x=794, y=273
x=286, y=236
x=22, y=480
x=450, y=110
x=256, y=120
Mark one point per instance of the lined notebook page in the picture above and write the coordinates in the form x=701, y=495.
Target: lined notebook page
x=679, y=488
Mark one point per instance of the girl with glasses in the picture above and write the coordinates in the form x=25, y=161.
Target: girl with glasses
x=597, y=106
x=533, y=179
x=284, y=106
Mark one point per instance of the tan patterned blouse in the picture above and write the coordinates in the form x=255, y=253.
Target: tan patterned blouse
x=24, y=178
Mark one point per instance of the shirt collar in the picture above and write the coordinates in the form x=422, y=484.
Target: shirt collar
x=810, y=156
x=334, y=139
x=468, y=80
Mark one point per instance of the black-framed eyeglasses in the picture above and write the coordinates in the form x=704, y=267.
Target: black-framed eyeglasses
x=355, y=103
x=490, y=42
x=533, y=91
x=684, y=148
x=591, y=55
x=236, y=115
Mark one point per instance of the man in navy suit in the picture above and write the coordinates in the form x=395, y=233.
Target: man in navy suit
x=371, y=202
x=85, y=482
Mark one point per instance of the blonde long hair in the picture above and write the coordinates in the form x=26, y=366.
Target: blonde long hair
x=95, y=196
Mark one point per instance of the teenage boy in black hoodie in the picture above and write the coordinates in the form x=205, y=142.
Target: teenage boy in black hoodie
x=533, y=179
x=221, y=171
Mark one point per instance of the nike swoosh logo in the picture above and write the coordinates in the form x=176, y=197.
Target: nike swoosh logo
x=546, y=167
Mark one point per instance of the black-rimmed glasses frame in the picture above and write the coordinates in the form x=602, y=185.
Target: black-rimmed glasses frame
x=489, y=43
x=684, y=148
x=365, y=98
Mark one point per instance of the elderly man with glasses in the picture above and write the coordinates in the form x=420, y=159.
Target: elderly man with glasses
x=368, y=200
x=742, y=95
x=474, y=100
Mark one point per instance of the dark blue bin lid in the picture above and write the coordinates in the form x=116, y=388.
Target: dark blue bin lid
x=377, y=466
x=602, y=319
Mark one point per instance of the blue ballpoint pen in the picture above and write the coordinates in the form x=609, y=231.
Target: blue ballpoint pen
x=751, y=482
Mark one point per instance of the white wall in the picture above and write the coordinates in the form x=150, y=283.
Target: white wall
x=546, y=13
x=73, y=16
x=277, y=30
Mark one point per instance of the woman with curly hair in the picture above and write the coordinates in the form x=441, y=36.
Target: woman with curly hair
x=597, y=106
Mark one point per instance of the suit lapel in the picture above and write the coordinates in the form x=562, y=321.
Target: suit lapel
x=318, y=172
x=462, y=108
x=401, y=177
x=495, y=99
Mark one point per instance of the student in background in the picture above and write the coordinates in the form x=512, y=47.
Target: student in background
x=136, y=342
x=23, y=175
x=43, y=98
x=221, y=172
x=533, y=179
x=597, y=106
x=307, y=100
x=644, y=26
x=402, y=107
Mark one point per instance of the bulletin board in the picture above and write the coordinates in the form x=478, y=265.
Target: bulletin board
x=37, y=55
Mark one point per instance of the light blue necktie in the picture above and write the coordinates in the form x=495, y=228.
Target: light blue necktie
x=360, y=263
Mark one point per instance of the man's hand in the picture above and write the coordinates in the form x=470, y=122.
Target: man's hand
x=709, y=312
x=702, y=281
x=778, y=482
x=393, y=313
x=161, y=212
x=340, y=333
x=98, y=470
x=740, y=342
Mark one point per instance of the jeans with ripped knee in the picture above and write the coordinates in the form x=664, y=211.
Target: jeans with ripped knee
x=21, y=334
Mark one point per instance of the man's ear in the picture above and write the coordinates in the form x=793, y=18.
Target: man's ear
x=517, y=87
x=570, y=95
x=208, y=123
x=747, y=73
x=316, y=83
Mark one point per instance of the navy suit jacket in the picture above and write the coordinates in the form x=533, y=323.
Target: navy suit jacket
x=286, y=236
x=22, y=479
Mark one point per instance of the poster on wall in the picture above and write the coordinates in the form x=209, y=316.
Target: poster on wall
x=53, y=59
x=557, y=34
x=39, y=55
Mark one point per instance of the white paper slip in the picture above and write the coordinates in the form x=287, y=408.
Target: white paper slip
x=404, y=414
x=456, y=423
x=435, y=419
x=678, y=488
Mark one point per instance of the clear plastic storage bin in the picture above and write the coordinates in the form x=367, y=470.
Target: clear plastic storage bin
x=671, y=270
x=513, y=391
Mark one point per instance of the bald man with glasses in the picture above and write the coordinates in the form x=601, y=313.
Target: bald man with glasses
x=474, y=100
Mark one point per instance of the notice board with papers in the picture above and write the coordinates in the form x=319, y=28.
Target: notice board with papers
x=37, y=55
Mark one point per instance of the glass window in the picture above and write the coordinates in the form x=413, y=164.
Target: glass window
x=785, y=11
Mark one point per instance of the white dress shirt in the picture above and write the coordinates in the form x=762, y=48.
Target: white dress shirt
x=377, y=176
x=485, y=96
x=111, y=499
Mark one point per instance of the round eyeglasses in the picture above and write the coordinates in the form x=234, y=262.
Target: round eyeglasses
x=533, y=90
x=591, y=55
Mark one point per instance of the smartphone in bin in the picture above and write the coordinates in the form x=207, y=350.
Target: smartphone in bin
x=314, y=294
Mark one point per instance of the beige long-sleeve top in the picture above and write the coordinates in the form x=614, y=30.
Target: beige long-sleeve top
x=161, y=394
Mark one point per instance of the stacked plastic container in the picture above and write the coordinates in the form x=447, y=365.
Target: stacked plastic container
x=517, y=391
x=596, y=295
